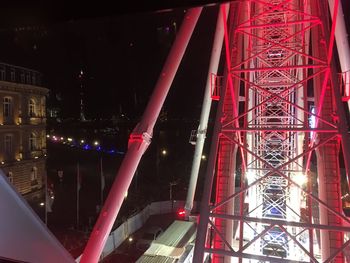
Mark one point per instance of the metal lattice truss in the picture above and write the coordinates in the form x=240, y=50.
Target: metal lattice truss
x=278, y=210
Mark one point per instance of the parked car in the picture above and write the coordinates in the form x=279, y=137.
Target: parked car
x=149, y=235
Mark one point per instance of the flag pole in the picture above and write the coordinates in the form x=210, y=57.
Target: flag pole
x=46, y=200
x=78, y=189
x=102, y=182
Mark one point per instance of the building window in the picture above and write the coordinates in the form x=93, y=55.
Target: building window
x=13, y=76
x=22, y=77
x=34, y=177
x=2, y=74
x=31, y=109
x=10, y=177
x=32, y=142
x=34, y=174
x=7, y=107
x=8, y=144
x=33, y=79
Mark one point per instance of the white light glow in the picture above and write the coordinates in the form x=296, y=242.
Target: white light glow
x=250, y=175
x=300, y=178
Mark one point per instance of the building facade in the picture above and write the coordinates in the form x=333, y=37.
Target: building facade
x=22, y=127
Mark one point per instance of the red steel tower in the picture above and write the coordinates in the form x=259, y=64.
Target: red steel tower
x=272, y=191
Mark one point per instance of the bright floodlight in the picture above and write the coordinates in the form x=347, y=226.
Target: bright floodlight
x=250, y=175
x=300, y=178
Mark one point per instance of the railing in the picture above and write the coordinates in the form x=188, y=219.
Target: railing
x=193, y=137
x=215, y=86
x=18, y=74
x=344, y=80
x=134, y=223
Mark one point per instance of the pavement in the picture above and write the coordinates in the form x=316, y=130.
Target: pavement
x=127, y=251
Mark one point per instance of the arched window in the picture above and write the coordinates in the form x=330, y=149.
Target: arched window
x=31, y=109
x=32, y=142
x=7, y=107
x=10, y=177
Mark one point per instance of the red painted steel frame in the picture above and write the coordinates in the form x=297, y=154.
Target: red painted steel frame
x=281, y=59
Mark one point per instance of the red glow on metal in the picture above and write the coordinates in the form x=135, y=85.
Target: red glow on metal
x=215, y=86
x=181, y=212
x=278, y=54
x=230, y=82
x=344, y=80
x=137, y=143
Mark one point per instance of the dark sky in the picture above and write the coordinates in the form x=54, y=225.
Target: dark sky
x=121, y=52
x=121, y=56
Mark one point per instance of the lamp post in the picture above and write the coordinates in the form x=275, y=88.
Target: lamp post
x=171, y=184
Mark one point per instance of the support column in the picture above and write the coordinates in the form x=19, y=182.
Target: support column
x=139, y=141
x=341, y=37
x=203, y=123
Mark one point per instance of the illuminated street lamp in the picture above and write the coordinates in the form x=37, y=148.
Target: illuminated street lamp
x=164, y=152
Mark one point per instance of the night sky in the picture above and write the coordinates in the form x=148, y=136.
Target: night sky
x=121, y=56
x=121, y=52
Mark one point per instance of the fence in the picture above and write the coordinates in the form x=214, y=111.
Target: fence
x=132, y=224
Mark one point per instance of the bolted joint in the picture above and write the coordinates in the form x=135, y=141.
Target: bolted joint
x=140, y=138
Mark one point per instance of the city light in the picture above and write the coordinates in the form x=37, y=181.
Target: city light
x=204, y=157
x=42, y=204
x=164, y=152
x=300, y=178
x=94, y=146
x=250, y=175
x=181, y=212
x=130, y=239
